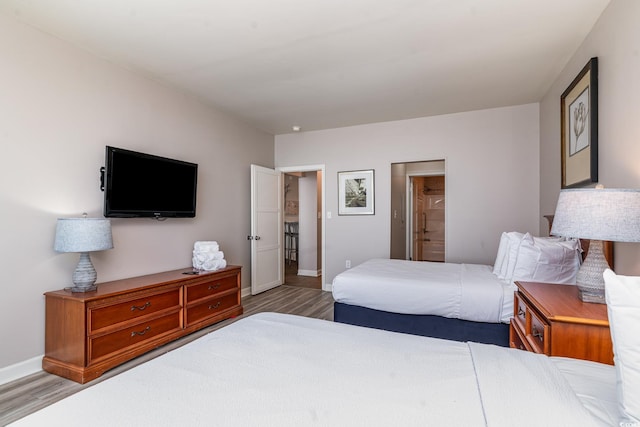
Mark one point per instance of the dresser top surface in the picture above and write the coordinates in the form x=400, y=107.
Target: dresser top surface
x=115, y=287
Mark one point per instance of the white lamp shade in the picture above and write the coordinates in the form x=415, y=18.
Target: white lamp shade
x=83, y=235
x=598, y=214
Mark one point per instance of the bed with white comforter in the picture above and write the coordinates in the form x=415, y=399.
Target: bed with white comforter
x=460, y=291
x=281, y=370
x=450, y=300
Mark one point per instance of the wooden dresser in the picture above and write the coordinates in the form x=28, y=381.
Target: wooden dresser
x=89, y=333
x=551, y=319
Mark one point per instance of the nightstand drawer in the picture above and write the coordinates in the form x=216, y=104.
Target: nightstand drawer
x=538, y=333
x=132, y=336
x=517, y=338
x=132, y=309
x=520, y=311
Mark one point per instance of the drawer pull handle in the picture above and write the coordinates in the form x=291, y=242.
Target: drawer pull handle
x=520, y=311
x=214, y=306
x=144, y=331
x=214, y=287
x=141, y=307
x=536, y=333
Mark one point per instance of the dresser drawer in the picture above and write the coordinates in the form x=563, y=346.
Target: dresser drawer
x=210, y=288
x=126, y=311
x=134, y=335
x=210, y=308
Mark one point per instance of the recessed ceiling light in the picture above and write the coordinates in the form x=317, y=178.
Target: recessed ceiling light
x=296, y=128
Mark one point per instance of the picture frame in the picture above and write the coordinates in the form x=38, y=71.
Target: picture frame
x=579, y=128
x=356, y=192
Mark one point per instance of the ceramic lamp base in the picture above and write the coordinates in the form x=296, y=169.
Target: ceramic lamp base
x=589, y=279
x=84, y=277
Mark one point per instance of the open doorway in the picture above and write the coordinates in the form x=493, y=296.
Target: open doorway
x=303, y=226
x=418, y=211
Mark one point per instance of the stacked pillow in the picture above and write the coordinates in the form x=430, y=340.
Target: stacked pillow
x=508, y=241
x=622, y=294
x=540, y=259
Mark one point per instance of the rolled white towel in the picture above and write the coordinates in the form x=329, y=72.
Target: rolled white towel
x=214, y=264
x=205, y=255
x=206, y=246
x=199, y=259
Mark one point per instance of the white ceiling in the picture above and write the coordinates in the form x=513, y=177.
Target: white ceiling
x=329, y=63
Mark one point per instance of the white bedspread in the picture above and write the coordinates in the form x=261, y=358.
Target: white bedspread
x=460, y=291
x=282, y=370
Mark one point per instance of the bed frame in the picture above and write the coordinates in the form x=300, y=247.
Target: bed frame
x=422, y=324
x=437, y=326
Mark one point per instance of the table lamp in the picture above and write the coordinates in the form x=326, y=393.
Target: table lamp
x=597, y=214
x=83, y=235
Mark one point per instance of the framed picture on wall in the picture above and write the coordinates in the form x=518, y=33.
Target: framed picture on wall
x=356, y=193
x=579, y=127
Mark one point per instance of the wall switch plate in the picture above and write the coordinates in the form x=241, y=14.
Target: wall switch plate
x=347, y=263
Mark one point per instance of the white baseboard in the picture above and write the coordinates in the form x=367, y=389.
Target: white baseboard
x=310, y=273
x=20, y=369
x=245, y=292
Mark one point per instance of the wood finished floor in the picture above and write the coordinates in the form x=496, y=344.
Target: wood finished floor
x=26, y=395
x=292, y=278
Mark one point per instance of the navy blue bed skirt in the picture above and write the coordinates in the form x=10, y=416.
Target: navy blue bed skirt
x=424, y=325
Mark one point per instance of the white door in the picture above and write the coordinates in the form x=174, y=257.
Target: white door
x=266, y=229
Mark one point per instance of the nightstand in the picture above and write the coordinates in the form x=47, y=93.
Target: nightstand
x=551, y=319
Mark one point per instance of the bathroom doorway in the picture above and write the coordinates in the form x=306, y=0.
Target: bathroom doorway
x=418, y=211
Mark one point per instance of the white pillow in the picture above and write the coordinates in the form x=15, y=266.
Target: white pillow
x=502, y=253
x=547, y=259
x=515, y=239
x=622, y=294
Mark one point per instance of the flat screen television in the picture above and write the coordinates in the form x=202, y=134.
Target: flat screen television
x=143, y=185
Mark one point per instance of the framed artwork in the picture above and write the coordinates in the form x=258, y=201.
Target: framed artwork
x=579, y=127
x=356, y=193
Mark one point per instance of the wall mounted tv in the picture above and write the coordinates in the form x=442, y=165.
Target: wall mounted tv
x=143, y=185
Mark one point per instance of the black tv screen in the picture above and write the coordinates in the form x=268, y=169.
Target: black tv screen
x=144, y=185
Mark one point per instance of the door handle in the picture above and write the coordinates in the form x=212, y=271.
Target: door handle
x=253, y=237
x=257, y=237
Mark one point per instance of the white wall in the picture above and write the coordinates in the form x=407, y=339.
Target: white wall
x=59, y=107
x=492, y=178
x=615, y=40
